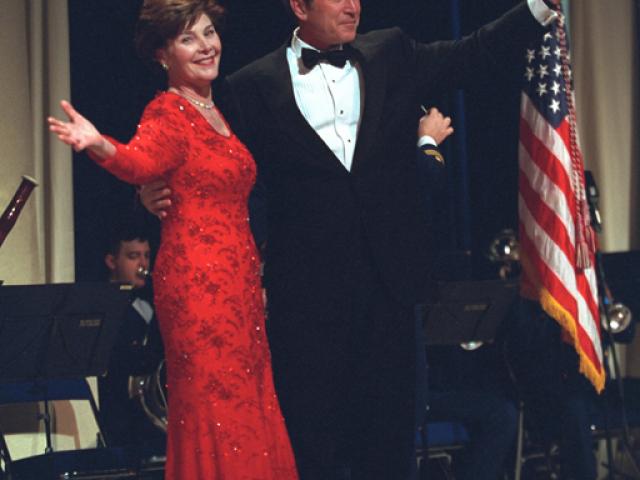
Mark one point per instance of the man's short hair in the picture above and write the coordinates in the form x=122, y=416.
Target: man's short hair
x=287, y=6
x=125, y=230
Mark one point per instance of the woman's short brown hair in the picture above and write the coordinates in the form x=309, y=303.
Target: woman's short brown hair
x=161, y=20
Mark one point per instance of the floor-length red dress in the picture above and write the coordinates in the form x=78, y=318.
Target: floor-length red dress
x=224, y=417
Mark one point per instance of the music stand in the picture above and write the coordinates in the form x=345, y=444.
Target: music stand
x=468, y=311
x=464, y=314
x=55, y=332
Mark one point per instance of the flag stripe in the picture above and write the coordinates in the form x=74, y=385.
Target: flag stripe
x=553, y=223
x=551, y=161
x=554, y=271
x=544, y=256
x=555, y=197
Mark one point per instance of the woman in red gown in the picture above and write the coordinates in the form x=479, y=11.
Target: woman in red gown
x=224, y=417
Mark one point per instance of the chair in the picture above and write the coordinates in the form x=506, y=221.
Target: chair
x=466, y=313
x=43, y=391
x=437, y=442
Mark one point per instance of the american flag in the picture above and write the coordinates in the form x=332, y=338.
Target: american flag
x=556, y=240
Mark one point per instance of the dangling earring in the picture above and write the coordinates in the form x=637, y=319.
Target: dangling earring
x=164, y=66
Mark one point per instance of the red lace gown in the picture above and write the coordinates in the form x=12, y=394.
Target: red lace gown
x=224, y=417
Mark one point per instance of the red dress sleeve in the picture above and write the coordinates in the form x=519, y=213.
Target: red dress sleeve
x=157, y=148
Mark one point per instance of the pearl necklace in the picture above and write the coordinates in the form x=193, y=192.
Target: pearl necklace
x=195, y=101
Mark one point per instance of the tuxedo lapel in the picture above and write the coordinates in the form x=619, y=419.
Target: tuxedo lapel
x=277, y=90
x=374, y=77
x=274, y=81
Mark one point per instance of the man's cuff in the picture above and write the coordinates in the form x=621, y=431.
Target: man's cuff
x=433, y=152
x=426, y=140
x=542, y=12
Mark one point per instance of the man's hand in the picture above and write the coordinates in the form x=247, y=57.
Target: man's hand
x=155, y=197
x=435, y=125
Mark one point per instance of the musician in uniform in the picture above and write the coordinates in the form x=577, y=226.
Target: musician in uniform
x=138, y=351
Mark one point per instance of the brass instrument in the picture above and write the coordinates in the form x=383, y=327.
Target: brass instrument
x=150, y=389
x=150, y=392
x=504, y=251
x=618, y=317
x=12, y=212
x=143, y=272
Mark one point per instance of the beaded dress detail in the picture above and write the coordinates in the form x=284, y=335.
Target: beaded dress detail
x=224, y=418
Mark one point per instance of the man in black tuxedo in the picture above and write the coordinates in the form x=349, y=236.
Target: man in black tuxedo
x=348, y=251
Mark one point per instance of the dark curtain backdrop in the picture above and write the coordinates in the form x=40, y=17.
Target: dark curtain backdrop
x=111, y=86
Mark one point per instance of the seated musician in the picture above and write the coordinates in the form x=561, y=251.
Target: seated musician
x=138, y=350
x=467, y=387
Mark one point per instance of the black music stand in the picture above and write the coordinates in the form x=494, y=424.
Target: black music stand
x=465, y=313
x=56, y=332
x=468, y=311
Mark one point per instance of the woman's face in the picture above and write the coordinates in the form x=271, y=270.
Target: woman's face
x=193, y=57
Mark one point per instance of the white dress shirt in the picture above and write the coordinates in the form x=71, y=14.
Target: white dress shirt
x=144, y=309
x=331, y=98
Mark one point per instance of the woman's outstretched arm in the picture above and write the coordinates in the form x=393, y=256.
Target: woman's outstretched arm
x=80, y=133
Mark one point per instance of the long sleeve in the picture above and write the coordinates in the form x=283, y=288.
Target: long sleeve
x=495, y=49
x=157, y=147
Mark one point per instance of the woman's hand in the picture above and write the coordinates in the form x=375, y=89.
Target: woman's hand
x=79, y=132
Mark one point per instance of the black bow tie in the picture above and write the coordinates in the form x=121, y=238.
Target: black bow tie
x=337, y=58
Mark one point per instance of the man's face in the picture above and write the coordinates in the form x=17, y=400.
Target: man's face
x=124, y=265
x=327, y=23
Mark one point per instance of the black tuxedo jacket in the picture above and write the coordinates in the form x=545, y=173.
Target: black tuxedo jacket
x=329, y=228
